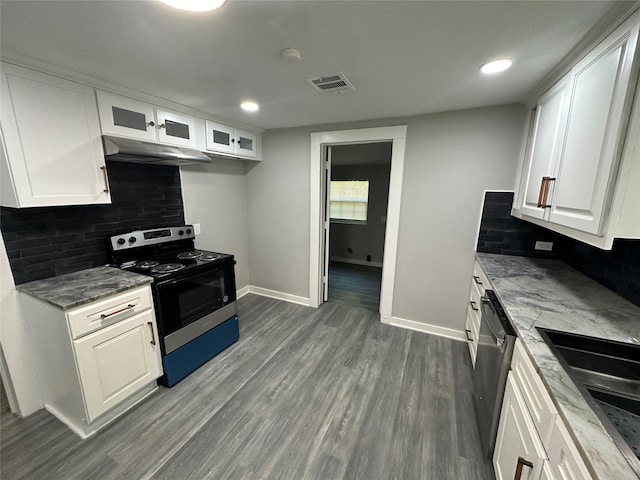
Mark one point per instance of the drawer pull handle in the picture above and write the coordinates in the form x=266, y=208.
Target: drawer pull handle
x=473, y=304
x=153, y=336
x=520, y=465
x=128, y=307
x=476, y=278
x=467, y=332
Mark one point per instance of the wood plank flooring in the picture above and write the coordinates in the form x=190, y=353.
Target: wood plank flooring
x=355, y=285
x=326, y=393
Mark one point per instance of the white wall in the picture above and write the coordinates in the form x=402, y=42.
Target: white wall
x=15, y=340
x=214, y=195
x=451, y=158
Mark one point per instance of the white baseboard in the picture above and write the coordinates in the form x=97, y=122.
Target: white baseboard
x=265, y=292
x=243, y=291
x=426, y=328
x=356, y=262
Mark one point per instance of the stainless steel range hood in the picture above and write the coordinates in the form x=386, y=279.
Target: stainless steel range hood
x=137, y=151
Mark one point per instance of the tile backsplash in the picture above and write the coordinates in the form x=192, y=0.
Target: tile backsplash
x=43, y=242
x=617, y=269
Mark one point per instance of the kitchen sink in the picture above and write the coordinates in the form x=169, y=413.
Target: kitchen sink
x=607, y=373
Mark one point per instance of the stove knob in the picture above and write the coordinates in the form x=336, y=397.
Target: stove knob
x=188, y=231
x=132, y=239
x=121, y=241
x=180, y=232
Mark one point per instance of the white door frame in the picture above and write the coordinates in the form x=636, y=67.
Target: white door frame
x=395, y=134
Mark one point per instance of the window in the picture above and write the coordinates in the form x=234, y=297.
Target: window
x=349, y=200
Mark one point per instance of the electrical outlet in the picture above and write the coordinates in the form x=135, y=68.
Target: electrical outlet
x=196, y=228
x=546, y=246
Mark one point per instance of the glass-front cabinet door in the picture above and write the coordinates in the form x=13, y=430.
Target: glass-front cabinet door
x=125, y=117
x=220, y=137
x=245, y=143
x=176, y=128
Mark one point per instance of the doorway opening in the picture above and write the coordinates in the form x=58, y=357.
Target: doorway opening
x=320, y=218
x=356, y=199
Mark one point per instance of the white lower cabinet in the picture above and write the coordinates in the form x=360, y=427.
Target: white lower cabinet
x=532, y=441
x=98, y=360
x=479, y=282
x=116, y=362
x=518, y=447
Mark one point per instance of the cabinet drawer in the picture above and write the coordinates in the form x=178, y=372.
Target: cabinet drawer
x=479, y=279
x=542, y=410
x=472, y=339
x=96, y=315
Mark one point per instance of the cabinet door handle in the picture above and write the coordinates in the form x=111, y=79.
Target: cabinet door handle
x=104, y=176
x=152, y=123
x=543, y=197
x=107, y=315
x=541, y=192
x=473, y=304
x=163, y=126
x=153, y=336
x=476, y=279
x=467, y=332
x=519, y=466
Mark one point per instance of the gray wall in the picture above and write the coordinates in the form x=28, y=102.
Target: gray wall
x=362, y=239
x=451, y=158
x=214, y=195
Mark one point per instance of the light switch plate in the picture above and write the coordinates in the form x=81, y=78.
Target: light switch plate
x=545, y=246
x=196, y=228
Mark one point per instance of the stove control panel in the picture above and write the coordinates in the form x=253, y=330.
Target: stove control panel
x=143, y=238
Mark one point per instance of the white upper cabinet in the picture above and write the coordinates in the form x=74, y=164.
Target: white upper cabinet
x=582, y=147
x=545, y=146
x=223, y=138
x=51, y=146
x=126, y=117
x=594, y=137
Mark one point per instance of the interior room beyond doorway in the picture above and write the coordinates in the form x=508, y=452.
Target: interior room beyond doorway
x=358, y=199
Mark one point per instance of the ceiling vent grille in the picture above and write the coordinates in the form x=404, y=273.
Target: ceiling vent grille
x=333, y=83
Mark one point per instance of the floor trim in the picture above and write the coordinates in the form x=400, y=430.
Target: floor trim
x=265, y=292
x=356, y=262
x=427, y=328
x=243, y=291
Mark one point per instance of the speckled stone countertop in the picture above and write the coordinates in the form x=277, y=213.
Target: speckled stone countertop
x=548, y=293
x=75, y=289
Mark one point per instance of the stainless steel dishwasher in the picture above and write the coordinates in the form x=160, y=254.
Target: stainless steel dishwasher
x=495, y=349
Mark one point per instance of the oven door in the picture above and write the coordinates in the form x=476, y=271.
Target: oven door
x=189, y=306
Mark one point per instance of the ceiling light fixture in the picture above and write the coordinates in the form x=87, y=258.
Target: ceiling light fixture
x=195, y=5
x=249, y=106
x=496, y=66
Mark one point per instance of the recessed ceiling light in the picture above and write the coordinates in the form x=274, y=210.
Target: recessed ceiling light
x=249, y=106
x=496, y=66
x=195, y=5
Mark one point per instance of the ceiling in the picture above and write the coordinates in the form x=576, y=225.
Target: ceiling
x=403, y=57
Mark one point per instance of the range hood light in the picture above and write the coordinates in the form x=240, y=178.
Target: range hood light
x=195, y=5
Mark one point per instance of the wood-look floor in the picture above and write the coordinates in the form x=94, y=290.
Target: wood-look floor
x=355, y=285
x=326, y=393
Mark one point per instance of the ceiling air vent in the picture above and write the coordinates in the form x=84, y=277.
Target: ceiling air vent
x=333, y=83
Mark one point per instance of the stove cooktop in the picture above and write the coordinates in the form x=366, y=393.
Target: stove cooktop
x=175, y=263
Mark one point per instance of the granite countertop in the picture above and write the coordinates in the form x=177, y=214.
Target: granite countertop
x=548, y=293
x=75, y=289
